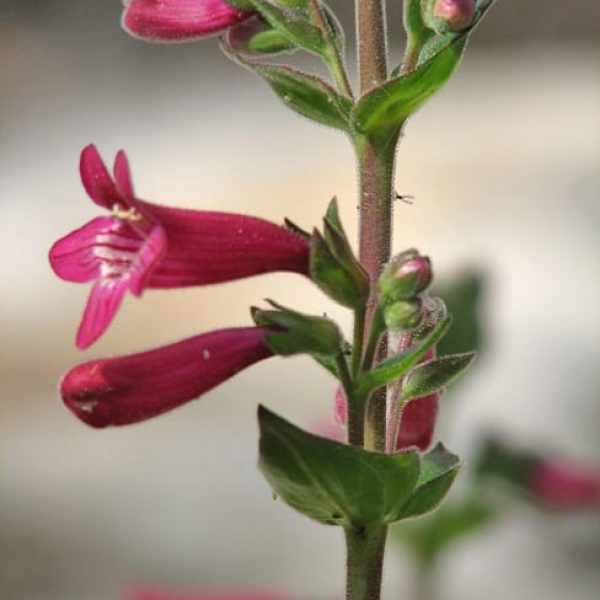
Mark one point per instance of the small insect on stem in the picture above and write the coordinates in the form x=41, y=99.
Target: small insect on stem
x=406, y=198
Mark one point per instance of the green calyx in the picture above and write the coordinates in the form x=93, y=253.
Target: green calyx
x=297, y=333
x=333, y=265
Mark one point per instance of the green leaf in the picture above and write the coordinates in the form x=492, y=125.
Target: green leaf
x=439, y=468
x=293, y=25
x=398, y=365
x=306, y=94
x=382, y=111
x=334, y=483
x=299, y=333
x=430, y=377
x=429, y=537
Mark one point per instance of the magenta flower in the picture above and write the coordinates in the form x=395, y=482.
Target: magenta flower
x=129, y=389
x=418, y=423
x=143, y=245
x=416, y=427
x=565, y=485
x=179, y=20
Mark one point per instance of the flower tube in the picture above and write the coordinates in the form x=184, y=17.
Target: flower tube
x=179, y=20
x=133, y=388
x=143, y=245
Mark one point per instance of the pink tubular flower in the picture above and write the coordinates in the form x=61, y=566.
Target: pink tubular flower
x=565, y=485
x=143, y=245
x=417, y=424
x=179, y=20
x=129, y=389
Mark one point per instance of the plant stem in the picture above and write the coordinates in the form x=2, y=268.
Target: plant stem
x=365, y=547
x=366, y=544
x=371, y=43
x=376, y=175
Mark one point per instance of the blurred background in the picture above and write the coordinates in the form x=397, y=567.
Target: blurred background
x=503, y=165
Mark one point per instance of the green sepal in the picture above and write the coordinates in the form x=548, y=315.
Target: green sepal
x=399, y=364
x=291, y=226
x=300, y=4
x=430, y=537
x=293, y=24
x=335, y=28
x=327, y=273
x=333, y=265
x=417, y=32
x=382, y=111
x=434, y=375
x=241, y=4
x=300, y=333
x=269, y=42
x=334, y=483
x=439, y=468
x=306, y=94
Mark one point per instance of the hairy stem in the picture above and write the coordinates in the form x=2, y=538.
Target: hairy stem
x=366, y=543
x=376, y=175
x=365, y=548
x=371, y=40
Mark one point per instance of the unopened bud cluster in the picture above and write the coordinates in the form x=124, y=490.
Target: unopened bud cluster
x=401, y=286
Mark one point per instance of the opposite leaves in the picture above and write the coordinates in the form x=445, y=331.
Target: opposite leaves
x=337, y=484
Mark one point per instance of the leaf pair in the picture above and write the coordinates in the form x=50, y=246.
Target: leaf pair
x=382, y=112
x=337, y=484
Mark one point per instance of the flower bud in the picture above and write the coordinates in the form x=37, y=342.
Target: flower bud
x=405, y=277
x=449, y=15
x=404, y=314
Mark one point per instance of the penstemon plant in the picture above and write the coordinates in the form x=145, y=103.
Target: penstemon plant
x=389, y=375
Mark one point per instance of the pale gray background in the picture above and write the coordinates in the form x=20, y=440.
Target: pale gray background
x=504, y=167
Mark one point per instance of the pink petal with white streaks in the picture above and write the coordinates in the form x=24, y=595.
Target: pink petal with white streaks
x=104, y=300
x=72, y=257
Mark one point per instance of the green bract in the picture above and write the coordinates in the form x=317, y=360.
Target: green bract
x=296, y=333
x=382, y=111
x=434, y=375
x=399, y=364
x=333, y=265
x=306, y=94
x=337, y=484
x=292, y=24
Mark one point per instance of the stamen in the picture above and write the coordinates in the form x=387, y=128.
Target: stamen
x=126, y=215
